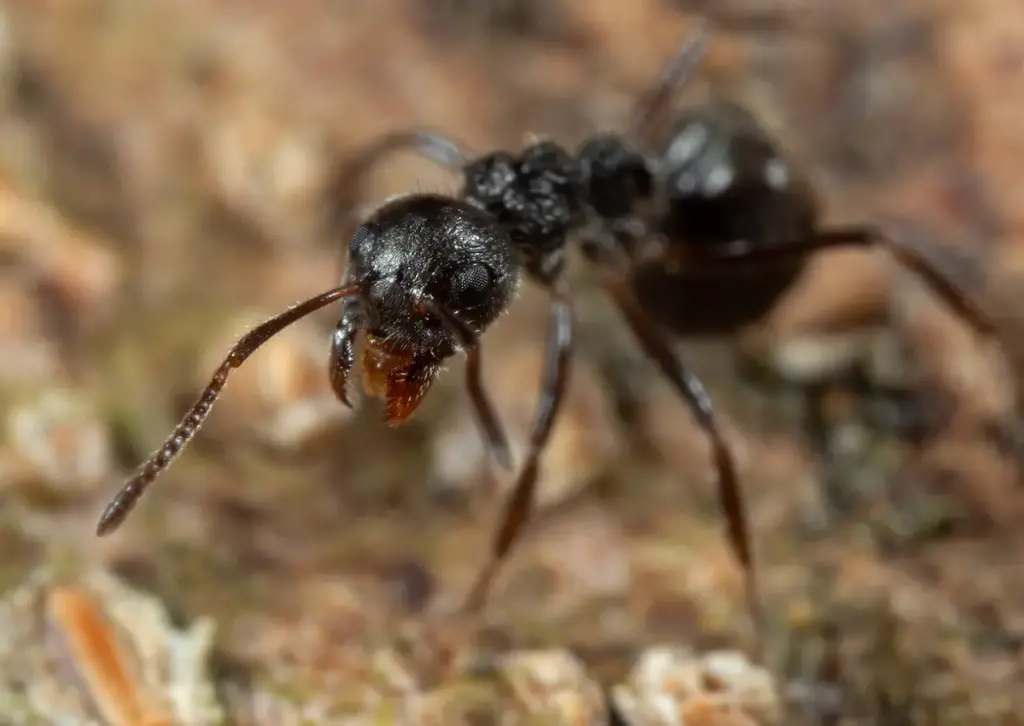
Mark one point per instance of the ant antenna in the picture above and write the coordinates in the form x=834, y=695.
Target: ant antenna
x=126, y=499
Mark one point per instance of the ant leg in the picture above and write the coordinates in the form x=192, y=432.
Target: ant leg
x=651, y=108
x=487, y=417
x=519, y=507
x=690, y=388
x=434, y=146
x=940, y=271
x=126, y=499
x=343, y=352
x=344, y=191
x=430, y=144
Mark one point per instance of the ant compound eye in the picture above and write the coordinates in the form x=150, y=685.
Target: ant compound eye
x=471, y=286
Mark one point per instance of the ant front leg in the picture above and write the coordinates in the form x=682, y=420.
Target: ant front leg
x=487, y=417
x=687, y=385
x=519, y=507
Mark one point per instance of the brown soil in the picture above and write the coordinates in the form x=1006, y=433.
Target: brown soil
x=163, y=170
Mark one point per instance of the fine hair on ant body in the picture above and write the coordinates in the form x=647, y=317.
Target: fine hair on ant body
x=428, y=273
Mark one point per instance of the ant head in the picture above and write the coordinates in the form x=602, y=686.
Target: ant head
x=432, y=248
x=616, y=175
x=434, y=272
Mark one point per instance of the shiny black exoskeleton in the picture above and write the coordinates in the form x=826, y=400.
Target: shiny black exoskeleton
x=604, y=195
x=725, y=180
x=724, y=183
x=536, y=196
x=420, y=254
x=429, y=247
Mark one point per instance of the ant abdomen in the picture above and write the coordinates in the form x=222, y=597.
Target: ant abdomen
x=726, y=182
x=715, y=301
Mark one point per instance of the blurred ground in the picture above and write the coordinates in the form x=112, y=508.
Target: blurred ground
x=162, y=170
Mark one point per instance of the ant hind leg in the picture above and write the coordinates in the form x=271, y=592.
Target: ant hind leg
x=689, y=387
x=950, y=274
x=651, y=109
x=940, y=268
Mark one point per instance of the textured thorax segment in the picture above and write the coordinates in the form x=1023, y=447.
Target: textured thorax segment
x=537, y=197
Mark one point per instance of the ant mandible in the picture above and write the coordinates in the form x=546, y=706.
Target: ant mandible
x=428, y=274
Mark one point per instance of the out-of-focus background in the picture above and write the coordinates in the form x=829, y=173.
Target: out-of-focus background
x=165, y=174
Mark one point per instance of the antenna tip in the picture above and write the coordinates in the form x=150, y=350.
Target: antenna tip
x=111, y=519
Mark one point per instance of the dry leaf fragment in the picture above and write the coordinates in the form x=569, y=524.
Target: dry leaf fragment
x=101, y=661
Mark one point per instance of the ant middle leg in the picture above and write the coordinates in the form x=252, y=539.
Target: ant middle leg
x=519, y=508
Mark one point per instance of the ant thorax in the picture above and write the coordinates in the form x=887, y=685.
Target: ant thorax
x=536, y=196
x=617, y=177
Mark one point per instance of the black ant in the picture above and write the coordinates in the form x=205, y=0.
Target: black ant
x=428, y=274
